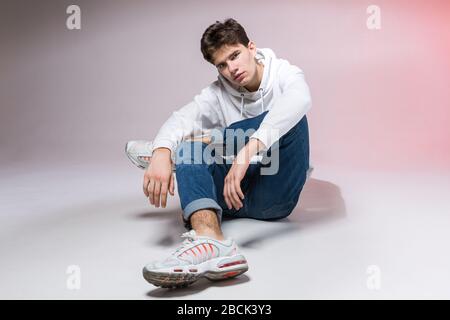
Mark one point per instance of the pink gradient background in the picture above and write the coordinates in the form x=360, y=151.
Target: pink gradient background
x=380, y=98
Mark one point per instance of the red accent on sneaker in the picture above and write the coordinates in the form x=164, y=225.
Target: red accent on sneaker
x=230, y=274
x=205, y=248
x=232, y=263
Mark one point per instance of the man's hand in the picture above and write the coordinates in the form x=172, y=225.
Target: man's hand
x=232, y=191
x=158, y=178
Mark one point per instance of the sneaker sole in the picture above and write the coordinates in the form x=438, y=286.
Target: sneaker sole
x=166, y=279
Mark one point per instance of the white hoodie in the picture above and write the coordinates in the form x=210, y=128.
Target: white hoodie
x=283, y=91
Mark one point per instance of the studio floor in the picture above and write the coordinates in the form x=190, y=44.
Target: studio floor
x=354, y=234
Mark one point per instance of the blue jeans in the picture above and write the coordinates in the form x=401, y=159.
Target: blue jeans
x=201, y=180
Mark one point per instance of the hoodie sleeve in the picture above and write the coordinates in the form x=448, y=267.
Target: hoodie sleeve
x=193, y=119
x=288, y=109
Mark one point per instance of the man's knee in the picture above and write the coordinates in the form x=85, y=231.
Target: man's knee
x=300, y=129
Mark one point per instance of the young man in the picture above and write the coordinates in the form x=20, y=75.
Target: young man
x=257, y=92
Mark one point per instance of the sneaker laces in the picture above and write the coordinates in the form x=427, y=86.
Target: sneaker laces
x=190, y=236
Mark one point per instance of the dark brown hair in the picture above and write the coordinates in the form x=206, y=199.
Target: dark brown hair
x=228, y=32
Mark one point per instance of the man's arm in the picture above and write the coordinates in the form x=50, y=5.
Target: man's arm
x=252, y=147
x=191, y=120
x=233, y=194
x=288, y=109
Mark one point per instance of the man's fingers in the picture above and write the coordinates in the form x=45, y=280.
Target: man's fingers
x=150, y=188
x=237, y=186
x=234, y=196
x=145, y=185
x=172, y=185
x=164, y=188
x=157, y=193
x=226, y=194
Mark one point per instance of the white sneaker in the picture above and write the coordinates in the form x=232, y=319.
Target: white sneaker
x=197, y=257
x=140, y=153
x=137, y=150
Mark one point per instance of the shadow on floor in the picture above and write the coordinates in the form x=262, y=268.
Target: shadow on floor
x=171, y=223
x=320, y=202
x=196, y=287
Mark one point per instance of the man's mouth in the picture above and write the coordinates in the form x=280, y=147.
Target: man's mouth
x=239, y=75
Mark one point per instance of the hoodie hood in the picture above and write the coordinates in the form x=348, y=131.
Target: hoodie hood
x=244, y=99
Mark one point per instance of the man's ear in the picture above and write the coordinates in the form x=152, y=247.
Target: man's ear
x=252, y=47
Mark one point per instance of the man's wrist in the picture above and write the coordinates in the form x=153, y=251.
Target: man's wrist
x=256, y=145
x=249, y=150
x=162, y=150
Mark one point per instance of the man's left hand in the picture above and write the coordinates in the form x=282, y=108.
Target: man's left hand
x=232, y=191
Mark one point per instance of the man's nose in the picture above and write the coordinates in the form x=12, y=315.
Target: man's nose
x=233, y=69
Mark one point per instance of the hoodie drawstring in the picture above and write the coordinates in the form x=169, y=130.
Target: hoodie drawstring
x=262, y=99
x=261, y=91
x=242, y=103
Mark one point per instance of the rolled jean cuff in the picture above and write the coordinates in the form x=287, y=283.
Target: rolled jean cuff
x=199, y=204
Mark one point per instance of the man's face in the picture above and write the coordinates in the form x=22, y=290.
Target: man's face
x=236, y=63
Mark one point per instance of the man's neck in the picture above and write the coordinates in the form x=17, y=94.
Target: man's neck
x=254, y=85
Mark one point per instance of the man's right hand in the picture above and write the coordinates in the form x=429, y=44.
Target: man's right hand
x=158, y=178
